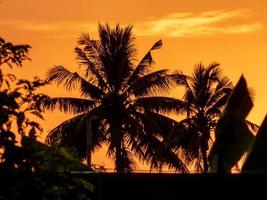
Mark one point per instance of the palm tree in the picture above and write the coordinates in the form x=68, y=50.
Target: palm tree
x=206, y=93
x=120, y=101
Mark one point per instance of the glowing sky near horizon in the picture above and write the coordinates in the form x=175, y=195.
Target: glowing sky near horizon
x=231, y=32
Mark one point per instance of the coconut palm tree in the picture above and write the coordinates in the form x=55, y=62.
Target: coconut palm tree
x=124, y=102
x=206, y=93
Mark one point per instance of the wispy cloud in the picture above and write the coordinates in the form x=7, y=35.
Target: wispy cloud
x=178, y=24
x=56, y=28
x=190, y=24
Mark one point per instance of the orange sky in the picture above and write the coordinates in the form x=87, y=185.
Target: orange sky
x=232, y=32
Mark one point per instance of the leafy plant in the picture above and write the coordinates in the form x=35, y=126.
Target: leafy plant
x=31, y=169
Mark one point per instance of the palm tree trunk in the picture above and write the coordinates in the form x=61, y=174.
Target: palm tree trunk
x=204, y=158
x=160, y=168
x=88, y=142
x=118, y=159
x=204, y=148
x=220, y=165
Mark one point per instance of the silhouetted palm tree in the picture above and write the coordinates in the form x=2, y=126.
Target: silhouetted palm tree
x=120, y=100
x=206, y=93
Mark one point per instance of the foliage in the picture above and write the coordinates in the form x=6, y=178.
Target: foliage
x=123, y=101
x=34, y=170
x=31, y=169
x=206, y=93
x=11, y=54
x=17, y=97
x=18, y=107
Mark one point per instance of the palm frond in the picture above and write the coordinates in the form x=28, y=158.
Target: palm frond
x=223, y=82
x=72, y=132
x=153, y=83
x=181, y=78
x=148, y=124
x=127, y=160
x=158, y=154
x=63, y=76
x=216, y=104
x=68, y=105
x=149, y=148
x=214, y=111
x=198, y=74
x=71, y=80
x=160, y=104
x=131, y=138
x=152, y=123
x=90, y=45
x=92, y=64
x=117, y=53
x=89, y=90
x=98, y=127
x=213, y=70
x=201, y=84
x=155, y=123
x=124, y=162
x=144, y=64
x=57, y=135
x=165, y=123
x=218, y=94
x=184, y=135
x=185, y=81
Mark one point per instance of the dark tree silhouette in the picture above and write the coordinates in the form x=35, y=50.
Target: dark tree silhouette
x=11, y=54
x=35, y=170
x=206, y=93
x=17, y=102
x=119, y=98
x=31, y=169
x=17, y=99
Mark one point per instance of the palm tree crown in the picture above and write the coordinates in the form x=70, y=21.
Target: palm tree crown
x=206, y=93
x=124, y=101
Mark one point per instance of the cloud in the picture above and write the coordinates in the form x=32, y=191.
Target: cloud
x=178, y=24
x=188, y=24
x=62, y=28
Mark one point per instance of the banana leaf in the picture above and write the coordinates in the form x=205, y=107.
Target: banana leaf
x=256, y=161
x=232, y=135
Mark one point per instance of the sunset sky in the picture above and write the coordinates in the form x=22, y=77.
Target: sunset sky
x=231, y=32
